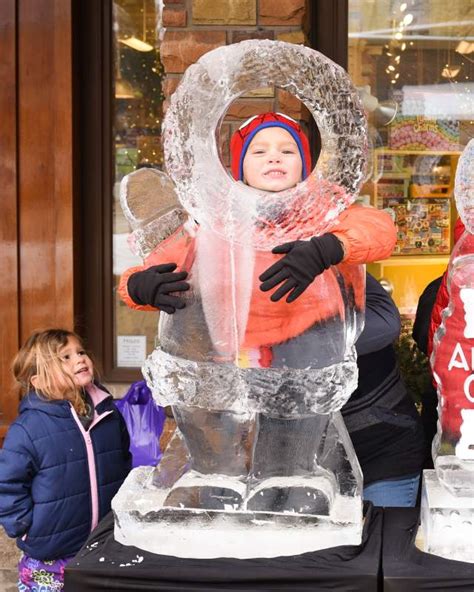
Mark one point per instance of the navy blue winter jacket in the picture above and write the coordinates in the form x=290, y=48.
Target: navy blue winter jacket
x=47, y=481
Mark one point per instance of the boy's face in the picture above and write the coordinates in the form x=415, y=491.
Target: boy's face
x=272, y=161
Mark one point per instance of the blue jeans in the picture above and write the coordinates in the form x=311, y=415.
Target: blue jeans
x=400, y=493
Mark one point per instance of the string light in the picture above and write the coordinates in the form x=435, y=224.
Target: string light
x=396, y=46
x=138, y=120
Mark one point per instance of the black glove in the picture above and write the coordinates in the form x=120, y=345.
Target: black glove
x=153, y=287
x=303, y=262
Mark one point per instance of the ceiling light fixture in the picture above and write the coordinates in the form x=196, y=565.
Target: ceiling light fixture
x=464, y=47
x=450, y=71
x=134, y=42
x=137, y=44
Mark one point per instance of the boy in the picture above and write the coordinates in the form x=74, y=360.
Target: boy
x=269, y=152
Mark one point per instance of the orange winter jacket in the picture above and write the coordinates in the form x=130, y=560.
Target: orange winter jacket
x=367, y=234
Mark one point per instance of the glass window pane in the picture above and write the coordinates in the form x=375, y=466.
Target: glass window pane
x=413, y=62
x=138, y=111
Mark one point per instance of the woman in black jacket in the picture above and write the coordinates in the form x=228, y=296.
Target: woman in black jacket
x=380, y=415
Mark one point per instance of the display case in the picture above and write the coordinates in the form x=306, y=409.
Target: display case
x=416, y=186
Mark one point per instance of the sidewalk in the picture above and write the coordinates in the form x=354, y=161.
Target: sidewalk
x=9, y=556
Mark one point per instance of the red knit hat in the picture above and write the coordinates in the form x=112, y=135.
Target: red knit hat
x=241, y=139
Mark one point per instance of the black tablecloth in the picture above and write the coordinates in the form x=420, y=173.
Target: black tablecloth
x=407, y=569
x=104, y=564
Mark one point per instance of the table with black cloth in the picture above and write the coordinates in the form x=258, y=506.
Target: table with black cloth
x=407, y=569
x=104, y=564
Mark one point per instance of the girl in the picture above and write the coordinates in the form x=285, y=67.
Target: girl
x=63, y=460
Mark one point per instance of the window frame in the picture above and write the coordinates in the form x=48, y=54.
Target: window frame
x=93, y=67
x=329, y=29
x=93, y=61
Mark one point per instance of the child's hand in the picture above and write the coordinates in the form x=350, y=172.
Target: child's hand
x=153, y=287
x=304, y=261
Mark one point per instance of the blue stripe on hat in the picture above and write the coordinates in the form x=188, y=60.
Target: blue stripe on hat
x=249, y=138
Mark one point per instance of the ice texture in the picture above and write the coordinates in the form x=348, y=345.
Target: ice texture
x=210, y=534
x=151, y=207
x=255, y=386
x=209, y=512
x=452, y=360
x=447, y=505
x=447, y=521
x=204, y=187
x=464, y=187
x=286, y=392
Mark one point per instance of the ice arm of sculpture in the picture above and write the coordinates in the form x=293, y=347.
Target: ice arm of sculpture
x=382, y=319
x=151, y=207
x=367, y=234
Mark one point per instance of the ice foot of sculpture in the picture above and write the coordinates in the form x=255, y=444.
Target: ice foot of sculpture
x=456, y=475
x=142, y=520
x=212, y=492
x=298, y=495
x=447, y=521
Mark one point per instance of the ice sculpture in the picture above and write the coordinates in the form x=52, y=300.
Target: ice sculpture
x=448, y=492
x=151, y=206
x=262, y=464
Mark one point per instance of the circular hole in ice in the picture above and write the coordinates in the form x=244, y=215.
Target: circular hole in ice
x=285, y=103
x=198, y=106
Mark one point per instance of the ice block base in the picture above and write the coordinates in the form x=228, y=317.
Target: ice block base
x=447, y=521
x=142, y=521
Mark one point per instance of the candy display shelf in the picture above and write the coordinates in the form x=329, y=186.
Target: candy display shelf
x=422, y=152
x=416, y=186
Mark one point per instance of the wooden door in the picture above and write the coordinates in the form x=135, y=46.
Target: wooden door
x=36, y=178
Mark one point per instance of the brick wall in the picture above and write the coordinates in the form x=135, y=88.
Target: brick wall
x=194, y=27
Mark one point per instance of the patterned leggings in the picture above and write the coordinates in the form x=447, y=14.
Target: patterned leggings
x=41, y=576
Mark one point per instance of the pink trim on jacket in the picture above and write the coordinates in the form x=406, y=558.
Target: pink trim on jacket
x=97, y=395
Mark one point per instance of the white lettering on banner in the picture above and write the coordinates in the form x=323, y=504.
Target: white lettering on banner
x=467, y=384
x=462, y=362
x=459, y=360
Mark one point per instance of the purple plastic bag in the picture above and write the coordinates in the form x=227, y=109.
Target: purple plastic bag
x=145, y=420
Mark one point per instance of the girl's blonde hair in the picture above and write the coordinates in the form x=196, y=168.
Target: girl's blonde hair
x=39, y=356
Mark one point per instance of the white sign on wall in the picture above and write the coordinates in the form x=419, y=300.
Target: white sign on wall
x=131, y=350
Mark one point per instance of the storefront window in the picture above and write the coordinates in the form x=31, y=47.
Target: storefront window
x=137, y=116
x=413, y=63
